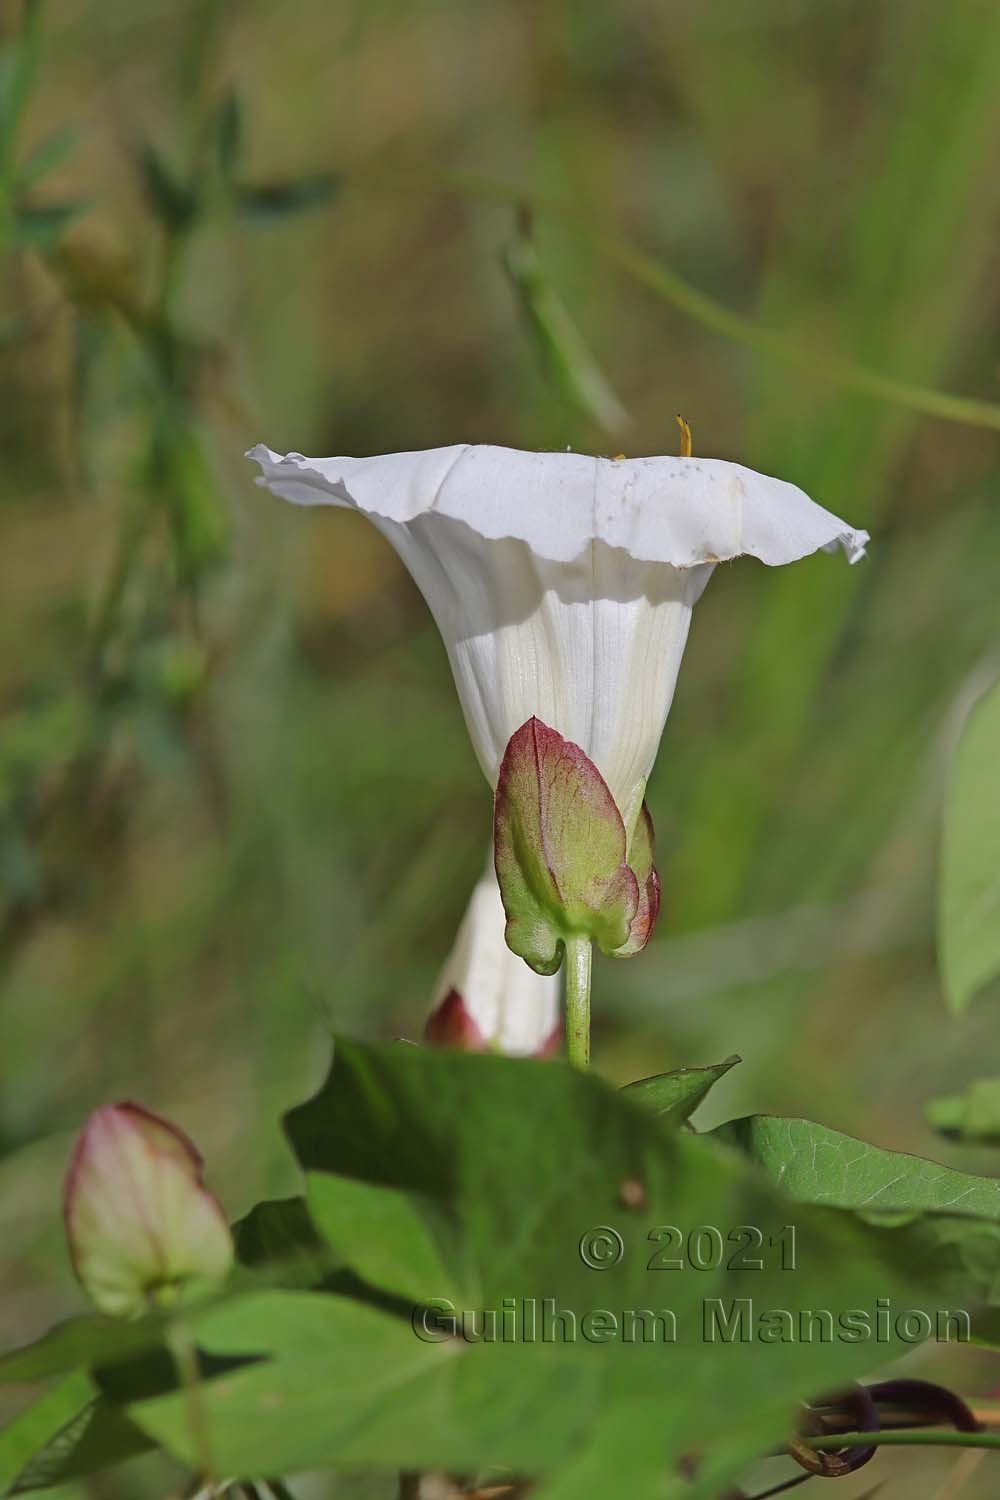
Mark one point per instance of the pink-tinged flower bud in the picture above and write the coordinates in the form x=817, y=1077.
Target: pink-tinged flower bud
x=139, y=1222
x=564, y=861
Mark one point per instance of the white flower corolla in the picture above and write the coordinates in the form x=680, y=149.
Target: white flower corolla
x=562, y=584
x=487, y=999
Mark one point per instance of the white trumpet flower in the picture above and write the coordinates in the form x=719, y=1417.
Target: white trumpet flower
x=563, y=585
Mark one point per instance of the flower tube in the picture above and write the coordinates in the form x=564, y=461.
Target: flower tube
x=563, y=585
x=487, y=1000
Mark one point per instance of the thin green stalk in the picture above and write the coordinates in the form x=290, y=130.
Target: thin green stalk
x=21, y=73
x=578, y=961
x=914, y=1437
x=185, y=1355
x=660, y=278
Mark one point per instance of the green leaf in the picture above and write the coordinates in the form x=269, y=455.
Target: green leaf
x=675, y=1096
x=65, y=1435
x=397, y=1236
x=276, y=1229
x=595, y=1468
x=494, y=1183
x=969, y=906
x=266, y=201
x=512, y=1166
x=279, y=1233
x=346, y=1383
x=102, y=1342
x=972, y=1116
x=817, y=1165
x=34, y=1427
x=943, y=1226
x=363, y=1391
x=77, y=1343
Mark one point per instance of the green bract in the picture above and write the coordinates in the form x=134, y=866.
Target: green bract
x=562, y=853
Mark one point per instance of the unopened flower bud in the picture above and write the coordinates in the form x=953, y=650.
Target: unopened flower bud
x=139, y=1222
x=565, y=863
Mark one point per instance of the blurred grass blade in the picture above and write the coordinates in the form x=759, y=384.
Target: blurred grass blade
x=911, y=290
x=263, y=201
x=181, y=469
x=229, y=134
x=563, y=352
x=46, y=157
x=17, y=70
x=18, y=65
x=659, y=277
x=969, y=913
x=42, y=225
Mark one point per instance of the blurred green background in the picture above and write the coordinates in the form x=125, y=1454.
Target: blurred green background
x=237, y=804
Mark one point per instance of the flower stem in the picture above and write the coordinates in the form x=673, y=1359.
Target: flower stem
x=913, y=1437
x=578, y=957
x=185, y=1356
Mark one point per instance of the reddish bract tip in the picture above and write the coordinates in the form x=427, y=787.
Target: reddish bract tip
x=641, y=856
x=450, y=1025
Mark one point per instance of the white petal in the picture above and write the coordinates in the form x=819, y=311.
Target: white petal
x=563, y=585
x=515, y=1009
x=682, y=511
x=593, y=648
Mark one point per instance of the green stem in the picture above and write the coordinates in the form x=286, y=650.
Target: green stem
x=918, y=1437
x=667, y=284
x=578, y=957
x=185, y=1356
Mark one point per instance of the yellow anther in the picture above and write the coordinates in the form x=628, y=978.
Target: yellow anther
x=616, y=458
x=685, y=437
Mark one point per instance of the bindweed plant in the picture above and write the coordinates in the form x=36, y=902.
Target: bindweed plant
x=501, y=1272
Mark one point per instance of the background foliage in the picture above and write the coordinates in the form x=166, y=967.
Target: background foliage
x=237, y=803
